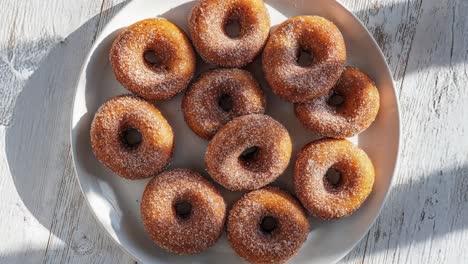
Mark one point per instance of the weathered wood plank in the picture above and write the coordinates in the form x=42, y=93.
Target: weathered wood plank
x=39, y=66
x=81, y=238
x=76, y=237
x=425, y=218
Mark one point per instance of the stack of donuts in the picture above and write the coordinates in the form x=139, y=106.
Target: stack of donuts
x=183, y=211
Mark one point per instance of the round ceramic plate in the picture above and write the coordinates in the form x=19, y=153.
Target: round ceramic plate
x=116, y=202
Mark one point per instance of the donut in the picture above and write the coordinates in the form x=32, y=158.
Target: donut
x=131, y=137
x=248, y=152
x=315, y=36
x=348, y=109
x=267, y=226
x=217, y=97
x=207, y=25
x=182, y=212
x=153, y=58
x=332, y=178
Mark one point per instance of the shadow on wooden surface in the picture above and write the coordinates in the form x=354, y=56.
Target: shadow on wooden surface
x=38, y=139
x=438, y=205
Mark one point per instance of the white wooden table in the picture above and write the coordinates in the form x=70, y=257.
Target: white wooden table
x=43, y=215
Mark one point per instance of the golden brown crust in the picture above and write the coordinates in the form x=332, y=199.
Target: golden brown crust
x=169, y=75
x=354, y=115
x=207, y=28
x=320, y=197
x=316, y=35
x=254, y=244
x=201, y=107
x=223, y=159
x=122, y=112
x=196, y=231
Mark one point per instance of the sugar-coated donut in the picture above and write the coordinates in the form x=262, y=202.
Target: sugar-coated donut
x=267, y=226
x=314, y=35
x=131, y=137
x=248, y=153
x=320, y=195
x=217, y=97
x=153, y=58
x=348, y=109
x=183, y=212
x=207, y=24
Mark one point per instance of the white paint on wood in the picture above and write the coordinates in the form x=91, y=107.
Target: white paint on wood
x=425, y=218
x=43, y=217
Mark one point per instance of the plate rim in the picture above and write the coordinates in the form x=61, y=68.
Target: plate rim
x=398, y=134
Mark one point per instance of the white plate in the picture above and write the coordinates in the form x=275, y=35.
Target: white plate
x=115, y=201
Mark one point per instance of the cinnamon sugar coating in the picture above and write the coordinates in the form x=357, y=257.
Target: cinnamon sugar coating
x=356, y=113
x=117, y=115
x=174, y=66
x=192, y=232
x=207, y=23
x=315, y=35
x=247, y=234
x=322, y=198
x=224, y=159
x=202, y=103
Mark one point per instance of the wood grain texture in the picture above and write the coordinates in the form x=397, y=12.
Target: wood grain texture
x=44, y=218
x=425, y=218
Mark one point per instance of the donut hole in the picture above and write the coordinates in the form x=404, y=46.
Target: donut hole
x=183, y=209
x=131, y=138
x=249, y=156
x=151, y=57
x=333, y=180
x=335, y=99
x=268, y=224
x=232, y=28
x=232, y=23
x=304, y=58
x=225, y=102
